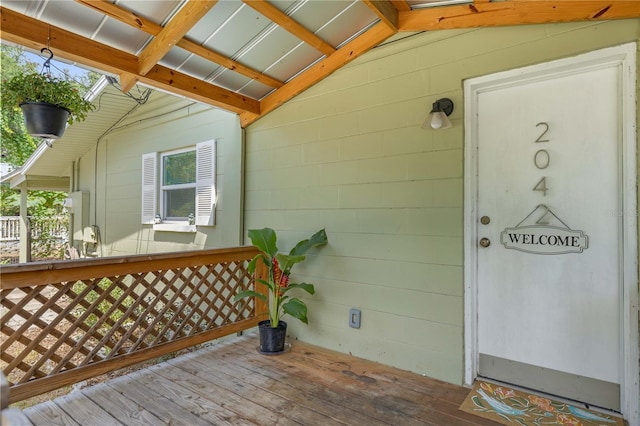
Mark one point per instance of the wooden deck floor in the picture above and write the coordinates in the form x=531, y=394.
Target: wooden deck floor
x=232, y=384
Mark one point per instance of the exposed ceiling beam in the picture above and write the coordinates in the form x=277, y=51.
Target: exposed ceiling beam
x=127, y=81
x=286, y=22
x=371, y=38
x=516, y=12
x=394, y=15
x=401, y=5
x=386, y=11
x=35, y=34
x=173, y=32
x=116, y=12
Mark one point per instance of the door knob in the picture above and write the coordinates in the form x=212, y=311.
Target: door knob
x=485, y=242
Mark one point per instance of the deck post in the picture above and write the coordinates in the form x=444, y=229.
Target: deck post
x=261, y=273
x=25, y=233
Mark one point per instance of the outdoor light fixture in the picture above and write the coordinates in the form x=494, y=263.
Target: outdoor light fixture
x=439, y=116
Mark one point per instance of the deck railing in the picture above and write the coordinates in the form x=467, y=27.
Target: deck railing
x=9, y=228
x=51, y=227
x=66, y=321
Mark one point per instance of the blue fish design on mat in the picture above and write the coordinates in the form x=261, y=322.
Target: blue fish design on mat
x=587, y=415
x=499, y=406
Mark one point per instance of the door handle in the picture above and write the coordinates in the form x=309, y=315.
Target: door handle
x=485, y=242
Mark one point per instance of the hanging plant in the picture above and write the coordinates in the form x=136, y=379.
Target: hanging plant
x=28, y=91
x=37, y=87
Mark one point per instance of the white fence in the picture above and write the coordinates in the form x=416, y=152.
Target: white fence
x=53, y=227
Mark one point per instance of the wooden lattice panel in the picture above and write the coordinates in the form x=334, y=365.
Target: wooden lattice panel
x=59, y=327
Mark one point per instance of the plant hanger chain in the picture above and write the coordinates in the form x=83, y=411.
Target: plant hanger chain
x=46, y=67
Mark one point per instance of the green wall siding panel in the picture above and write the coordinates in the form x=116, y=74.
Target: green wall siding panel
x=164, y=123
x=349, y=155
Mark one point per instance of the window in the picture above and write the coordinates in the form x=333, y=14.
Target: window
x=179, y=186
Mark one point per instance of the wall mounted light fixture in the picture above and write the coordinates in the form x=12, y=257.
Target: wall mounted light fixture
x=439, y=116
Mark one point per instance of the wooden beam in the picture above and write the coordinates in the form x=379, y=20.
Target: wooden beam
x=229, y=64
x=283, y=20
x=34, y=34
x=385, y=10
x=347, y=53
x=106, y=7
x=122, y=15
x=199, y=90
x=401, y=5
x=127, y=81
x=518, y=12
x=179, y=25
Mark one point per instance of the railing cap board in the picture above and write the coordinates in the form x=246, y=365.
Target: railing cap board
x=42, y=273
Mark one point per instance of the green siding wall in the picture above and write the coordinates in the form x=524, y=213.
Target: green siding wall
x=349, y=155
x=164, y=123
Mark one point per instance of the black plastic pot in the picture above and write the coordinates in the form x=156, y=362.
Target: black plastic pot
x=44, y=120
x=272, y=338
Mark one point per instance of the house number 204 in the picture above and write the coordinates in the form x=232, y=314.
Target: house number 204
x=541, y=159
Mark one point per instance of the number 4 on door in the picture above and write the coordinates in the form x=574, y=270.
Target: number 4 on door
x=542, y=186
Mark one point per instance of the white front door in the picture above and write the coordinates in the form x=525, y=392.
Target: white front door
x=548, y=239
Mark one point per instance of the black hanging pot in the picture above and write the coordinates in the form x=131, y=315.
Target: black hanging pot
x=272, y=338
x=44, y=120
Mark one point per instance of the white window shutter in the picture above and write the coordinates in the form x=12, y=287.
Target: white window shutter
x=149, y=187
x=206, y=183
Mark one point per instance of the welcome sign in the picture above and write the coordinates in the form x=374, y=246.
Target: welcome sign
x=543, y=238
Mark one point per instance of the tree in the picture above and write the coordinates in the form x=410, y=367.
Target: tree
x=17, y=145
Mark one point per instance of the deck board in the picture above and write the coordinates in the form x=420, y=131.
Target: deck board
x=49, y=413
x=84, y=411
x=269, y=393
x=122, y=408
x=230, y=383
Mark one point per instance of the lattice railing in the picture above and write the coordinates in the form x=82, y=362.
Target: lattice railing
x=63, y=322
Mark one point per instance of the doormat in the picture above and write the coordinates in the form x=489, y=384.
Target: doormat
x=513, y=407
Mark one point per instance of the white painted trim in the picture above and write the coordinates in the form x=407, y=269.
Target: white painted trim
x=624, y=57
x=630, y=385
x=174, y=227
x=470, y=235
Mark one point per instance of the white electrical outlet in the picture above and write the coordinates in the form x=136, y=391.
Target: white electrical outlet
x=354, y=318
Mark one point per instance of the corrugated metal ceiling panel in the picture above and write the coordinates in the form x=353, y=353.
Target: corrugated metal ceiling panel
x=231, y=28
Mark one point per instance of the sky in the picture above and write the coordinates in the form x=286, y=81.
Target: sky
x=57, y=67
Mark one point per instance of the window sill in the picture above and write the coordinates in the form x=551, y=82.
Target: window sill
x=174, y=227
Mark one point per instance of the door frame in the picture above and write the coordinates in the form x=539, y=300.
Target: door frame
x=624, y=57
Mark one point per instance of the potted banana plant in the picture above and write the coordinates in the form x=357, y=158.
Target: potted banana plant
x=273, y=330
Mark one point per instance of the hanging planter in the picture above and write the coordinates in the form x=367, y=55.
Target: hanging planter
x=44, y=100
x=44, y=120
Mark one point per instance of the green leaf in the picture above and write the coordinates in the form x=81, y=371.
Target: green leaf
x=297, y=309
x=252, y=264
x=270, y=284
x=249, y=293
x=286, y=261
x=317, y=239
x=265, y=240
x=305, y=286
